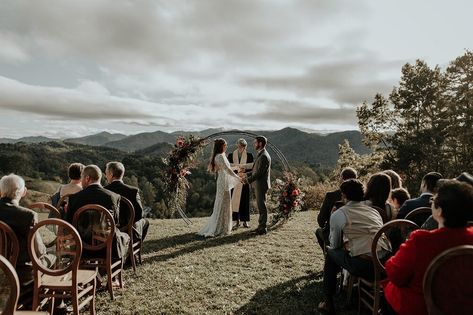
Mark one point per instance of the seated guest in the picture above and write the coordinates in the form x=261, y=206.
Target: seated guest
x=398, y=197
x=427, y=188
x=377, y=194
x=330, y=199
x=451, y=208
x=396, y=181
x=74, y=173
x=430, y=224
x=358, y=223
x=94, y=193
x=21, y=220
x=114, y=172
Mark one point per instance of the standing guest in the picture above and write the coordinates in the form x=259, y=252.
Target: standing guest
x=377, y=194
x=331, y=197
x=94, y=193
x=427, y=188
x=21, y=220
x=451, y=208
x=242, y=161
x=358, y=223
x=114, y=172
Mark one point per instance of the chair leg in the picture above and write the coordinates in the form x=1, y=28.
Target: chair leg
x=75, y=301
x=133, y=259
x=109, y=281
x=120, y=275
x=92, y=302
x=52, y=301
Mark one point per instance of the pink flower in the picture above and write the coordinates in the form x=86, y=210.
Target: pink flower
x=180, y=142
x=295, y=192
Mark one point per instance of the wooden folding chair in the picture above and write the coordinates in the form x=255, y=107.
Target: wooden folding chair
x=9, y=245
x=62, y=204
x=60, y=278
x=44, y=207
x=10, y=289
x=448, y=288
x=369, y=292
x=419, y=215
x=135, y=244
x=97, y=229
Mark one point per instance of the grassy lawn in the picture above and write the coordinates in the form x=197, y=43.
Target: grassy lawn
x=278, y=273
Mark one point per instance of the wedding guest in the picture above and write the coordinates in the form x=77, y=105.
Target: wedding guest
x=21, y=220
x=396, y=181
x=430, y=223
x=427, y=188
x=398, y=197
x=242, y=161
x=114, y=173
x=94, y=193
x=74, y=173
x=451, y=208
x=331, y=198
x=358, y=223
x=377, y=194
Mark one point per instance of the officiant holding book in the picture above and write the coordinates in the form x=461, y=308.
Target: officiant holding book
x=241, y=161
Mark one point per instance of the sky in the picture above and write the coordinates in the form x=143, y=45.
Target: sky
x=72, y=68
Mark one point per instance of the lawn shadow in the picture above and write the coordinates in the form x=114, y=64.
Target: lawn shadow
x=195, y=242
x=297, y=296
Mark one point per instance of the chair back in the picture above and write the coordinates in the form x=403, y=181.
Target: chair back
x=448, y=288
x=10, y=288
x=44, y=207
x=62, y=204
x=419, y=215
x=95, y=225
x=9, y=245
x=63, y=251
x=127, y=215
x=401, y=229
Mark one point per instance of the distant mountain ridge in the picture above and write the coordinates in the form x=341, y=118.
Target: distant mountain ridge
x=317, y=150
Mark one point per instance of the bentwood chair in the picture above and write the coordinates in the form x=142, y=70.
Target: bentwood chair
x=128, y=211
x=96, y=227
x=43, y=207
x=9, y=245
x=56, y=273
x=10, y=290
x=419, y=215
x=448, y=288
x=62, y=204
x=369, y=291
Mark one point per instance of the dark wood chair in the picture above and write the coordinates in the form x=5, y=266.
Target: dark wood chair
x=369, y=292
x=60, y=278
x=97, y=229
x=62, y=204
x=419, y=215
x=44, y=207
x=10, y=290
x=135, y=243
x=448, y=288
x=9, y=245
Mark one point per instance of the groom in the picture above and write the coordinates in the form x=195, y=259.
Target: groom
x=260, y=175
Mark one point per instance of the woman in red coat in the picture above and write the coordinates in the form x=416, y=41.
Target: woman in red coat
x=452, y=208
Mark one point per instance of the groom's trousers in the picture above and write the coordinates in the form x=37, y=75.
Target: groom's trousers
x=260, y=193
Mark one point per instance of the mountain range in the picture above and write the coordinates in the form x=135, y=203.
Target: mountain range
x=317, y=150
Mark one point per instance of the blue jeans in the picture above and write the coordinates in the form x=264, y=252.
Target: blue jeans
x=340, y=258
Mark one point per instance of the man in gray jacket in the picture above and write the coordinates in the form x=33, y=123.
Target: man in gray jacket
x=260, y=179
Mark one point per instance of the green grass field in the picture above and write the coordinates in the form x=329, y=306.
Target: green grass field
x=182, y=273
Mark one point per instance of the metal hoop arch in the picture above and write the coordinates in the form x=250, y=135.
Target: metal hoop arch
x=270, y=145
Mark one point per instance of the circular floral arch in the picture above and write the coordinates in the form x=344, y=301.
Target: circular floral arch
x=183, y=158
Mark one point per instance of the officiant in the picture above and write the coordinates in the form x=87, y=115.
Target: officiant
x=241, y=161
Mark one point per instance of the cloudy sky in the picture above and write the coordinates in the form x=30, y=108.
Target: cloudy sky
x=72, y=68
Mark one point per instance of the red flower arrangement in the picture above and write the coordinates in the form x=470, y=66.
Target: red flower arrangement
x=289, y=197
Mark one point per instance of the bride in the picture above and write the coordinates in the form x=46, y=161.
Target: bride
x=220, y=222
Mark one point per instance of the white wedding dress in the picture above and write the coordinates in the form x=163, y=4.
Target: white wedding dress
x=220, y=222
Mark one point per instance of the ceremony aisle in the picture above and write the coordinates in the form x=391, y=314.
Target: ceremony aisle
x=278, y=273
